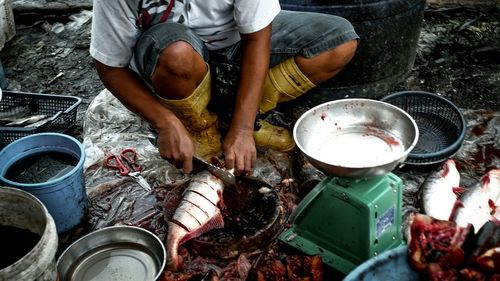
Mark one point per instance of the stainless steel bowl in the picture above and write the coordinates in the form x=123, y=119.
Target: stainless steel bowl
x=356, y=138
x=113, y=253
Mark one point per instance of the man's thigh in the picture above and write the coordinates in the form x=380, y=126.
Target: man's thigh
x=307, y=34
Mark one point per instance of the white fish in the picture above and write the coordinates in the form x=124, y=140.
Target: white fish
x=439, y=191
x=27, y=120
x=43, y=121
x=15, y=112
x=495, y=214
x=198, y=212
x=477, y=203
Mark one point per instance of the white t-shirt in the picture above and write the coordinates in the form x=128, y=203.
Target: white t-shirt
x=117, y=24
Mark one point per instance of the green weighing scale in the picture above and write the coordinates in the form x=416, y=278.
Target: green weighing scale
x=355, y=213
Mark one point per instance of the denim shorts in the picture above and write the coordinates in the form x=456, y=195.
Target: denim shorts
x=293, y=33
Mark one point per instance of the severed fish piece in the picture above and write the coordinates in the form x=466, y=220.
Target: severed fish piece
x=14, y=112
x=439, y=191
x=477, y=204
x=197, y=213
x=43, y=121
x=27, y=120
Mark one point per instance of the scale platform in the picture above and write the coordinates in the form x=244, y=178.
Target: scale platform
x=347, y=221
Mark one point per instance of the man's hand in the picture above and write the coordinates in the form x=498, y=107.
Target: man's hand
x=175, y=145
x=174, y=142
x=239, y=145
x=239, y=151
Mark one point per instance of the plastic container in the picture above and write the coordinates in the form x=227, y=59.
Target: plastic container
x=7, y=26
x=22, y=210
x=441, y=125
x=64, y=196
x=389, y=31
x=61, y=109
x=391, y=265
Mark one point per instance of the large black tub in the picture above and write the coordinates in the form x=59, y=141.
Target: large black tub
x=389, y=31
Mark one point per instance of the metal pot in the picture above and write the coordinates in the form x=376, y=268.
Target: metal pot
x=356, y=138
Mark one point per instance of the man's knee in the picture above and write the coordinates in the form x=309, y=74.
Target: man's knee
x=178, y=71
x=345, y=52
x=178, y=59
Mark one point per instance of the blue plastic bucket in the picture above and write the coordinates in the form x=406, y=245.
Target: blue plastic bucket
x=64, y=195
x=391, y=265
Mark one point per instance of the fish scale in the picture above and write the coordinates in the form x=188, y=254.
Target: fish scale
x=199, y=217
x=201, y=189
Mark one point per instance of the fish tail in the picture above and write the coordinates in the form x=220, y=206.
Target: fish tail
x=172, y=244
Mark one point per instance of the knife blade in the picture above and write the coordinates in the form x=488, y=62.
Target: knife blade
x=226, y=176
x=199, y=164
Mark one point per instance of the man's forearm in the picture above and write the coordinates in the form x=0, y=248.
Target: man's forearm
x=254, y=67
x=132, y=92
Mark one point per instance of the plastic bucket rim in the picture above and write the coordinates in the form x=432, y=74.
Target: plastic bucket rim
x=367, y=264
x=42, y=185
x=46, y=235
x=451, y=149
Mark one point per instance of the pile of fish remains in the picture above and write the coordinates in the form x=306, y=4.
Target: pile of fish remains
x=21, y=116
x=459, y=237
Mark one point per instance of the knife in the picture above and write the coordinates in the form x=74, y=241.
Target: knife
x=226, y=176
x=199, y=164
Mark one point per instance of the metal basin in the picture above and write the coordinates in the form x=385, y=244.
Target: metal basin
x=113, y=253
x=356, y=138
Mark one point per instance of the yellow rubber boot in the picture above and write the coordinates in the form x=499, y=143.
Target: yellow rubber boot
x=201, y=123
x=283, y=82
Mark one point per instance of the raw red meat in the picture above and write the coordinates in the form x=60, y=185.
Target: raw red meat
x=436, y=241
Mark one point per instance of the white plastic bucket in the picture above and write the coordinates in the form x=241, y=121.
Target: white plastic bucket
x=24, y=211
x=7, y=25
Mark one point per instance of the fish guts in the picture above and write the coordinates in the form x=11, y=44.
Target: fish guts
x=197, y=213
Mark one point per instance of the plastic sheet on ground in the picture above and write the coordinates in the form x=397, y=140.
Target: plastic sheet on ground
x=110, y=127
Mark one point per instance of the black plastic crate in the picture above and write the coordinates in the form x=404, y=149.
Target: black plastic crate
x=61, y=109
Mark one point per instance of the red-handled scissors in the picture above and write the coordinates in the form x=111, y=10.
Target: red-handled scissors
x=125, y=162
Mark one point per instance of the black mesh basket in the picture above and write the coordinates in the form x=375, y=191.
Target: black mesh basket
x=59, y=109
x=441, y=125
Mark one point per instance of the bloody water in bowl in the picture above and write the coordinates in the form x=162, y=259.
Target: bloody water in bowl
x=15, y=243
x=41, y=167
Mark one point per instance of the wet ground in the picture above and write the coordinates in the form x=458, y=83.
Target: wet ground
x=459, y=56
